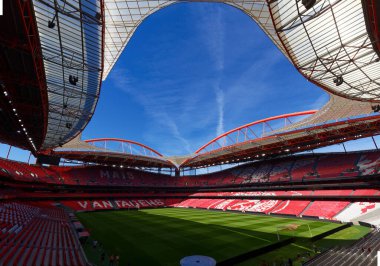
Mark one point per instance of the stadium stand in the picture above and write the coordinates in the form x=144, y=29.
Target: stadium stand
x=37, y=235
x=324, y=209
x=291, y=207
x=90, y=205
x=333, y=192
x=365, y=192
x=369, y=163
x=303, y=168
x=331, y=165
x=337, y=210
x=357, y=209
x=281, y=171
x=266, y=187
x=298, y=168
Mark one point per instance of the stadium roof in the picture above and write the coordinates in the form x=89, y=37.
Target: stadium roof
x=71, y=37
x=254, y=141
x=286, y=142
x=23, y=101
x=112, y=151
x=68, y=47
x=327, y=41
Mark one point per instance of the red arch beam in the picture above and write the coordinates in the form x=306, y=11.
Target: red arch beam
x=372, y=16
x=125, y=141
x=285, y=116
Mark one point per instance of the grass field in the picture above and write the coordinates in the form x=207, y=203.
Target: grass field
x=164, y=236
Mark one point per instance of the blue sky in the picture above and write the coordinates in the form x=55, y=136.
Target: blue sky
x=192, y=71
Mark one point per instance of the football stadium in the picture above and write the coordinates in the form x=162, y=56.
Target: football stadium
x=280, y=185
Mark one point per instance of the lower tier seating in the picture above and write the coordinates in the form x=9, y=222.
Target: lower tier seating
x=291, y=207
x=325, y=209
x=91, y=205
x=332, y=210
x=357, y=209
x=37, y=235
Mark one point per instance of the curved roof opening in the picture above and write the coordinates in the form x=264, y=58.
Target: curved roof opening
x=193, y=71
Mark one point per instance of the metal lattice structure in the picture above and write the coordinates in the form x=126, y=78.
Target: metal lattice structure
x=124, y=146
x=329, y=43
x=249, y=132
x=113, y=151
x=286, y=142
x=266, y=138
x=71, y=36
x=336, y=109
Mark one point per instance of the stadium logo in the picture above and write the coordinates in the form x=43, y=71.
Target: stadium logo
x=116, y=175
x=120, y=204
x=253, y=205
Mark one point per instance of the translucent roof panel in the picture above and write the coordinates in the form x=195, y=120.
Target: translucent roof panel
x=121, y=19
x=71, y=40
x=330, y=45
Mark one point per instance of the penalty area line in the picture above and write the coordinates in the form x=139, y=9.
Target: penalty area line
x=266, y=240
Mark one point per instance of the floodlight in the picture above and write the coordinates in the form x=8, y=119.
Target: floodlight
x=338, y=80
x=51, y=24
x=308, y=3
x=73, y=80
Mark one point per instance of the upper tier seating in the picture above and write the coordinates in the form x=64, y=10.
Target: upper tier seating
x=303, y=168
x=369, y=163
x=333, y=164
x=281, y=171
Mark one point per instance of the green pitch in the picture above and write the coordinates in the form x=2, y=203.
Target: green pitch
x=164, y=236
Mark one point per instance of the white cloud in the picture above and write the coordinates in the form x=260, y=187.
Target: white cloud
x=212, y=29
x=155, y=104
x=220, y=106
